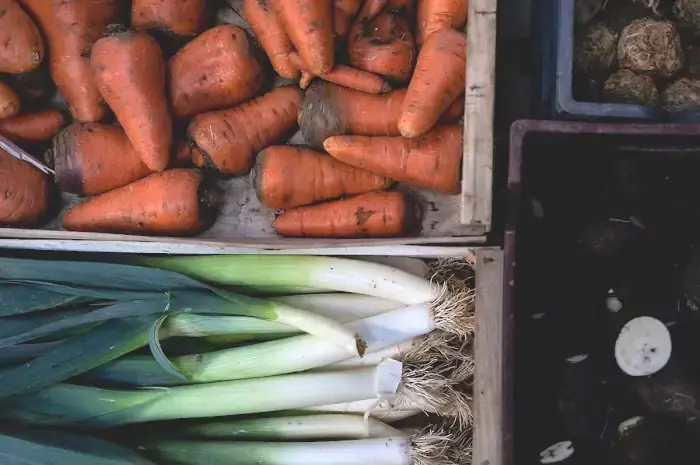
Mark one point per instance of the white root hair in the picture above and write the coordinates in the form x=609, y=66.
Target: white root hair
x=441, y=445
x=446, y=353
x=455, y=298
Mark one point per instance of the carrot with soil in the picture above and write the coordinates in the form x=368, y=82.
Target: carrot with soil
x=93, y=158
x=309, y=25
x=344, y=12
x=272, y=37
x=184, y=18
x=21, y=45
x=288, y=176
x=228, y=140
x=9, y=101
x=434, y=15
x=216, y=70
x=130, y=74
x=431, y=161
x=434, y=88
x=352, y=78
x=38, y=126
x=173, y=203
x=374, y=214
x=24, y=192
x=71, y=29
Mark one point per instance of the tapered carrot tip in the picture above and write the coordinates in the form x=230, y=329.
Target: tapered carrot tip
x=375, y=214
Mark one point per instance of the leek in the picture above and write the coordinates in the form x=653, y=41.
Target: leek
x=341, y=307
x=24, y=352
x=16, y=299
x=415, y=266
x=94, y=407
x=381, y=409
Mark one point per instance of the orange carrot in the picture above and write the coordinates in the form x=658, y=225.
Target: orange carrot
x=331, y=110
x=39, y=126
x=431, y=161
x=272, y=37
x=434, y=15
x=218, y=69
x=344, y=12
x=374, y=214
x=381, y=39
x=93, y=158
x=71, y=29
x=177, y=17
x=434, y=88
x=228, y=140
x=309, y=24
x=24, y=192
x=288, y=176
x=130, y=74
x=9, y=101
x=176, y=202
x=354, y=79
x=21, y=45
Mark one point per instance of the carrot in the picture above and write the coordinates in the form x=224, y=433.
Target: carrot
x=272, y=37
x=434, y=15
x=353, y=79
x=228, y=140
x=21, y=45
x=374, y=214
x=176, y=202
x=218, y=69
x=381, y=39
x=24, y=192
x=93, y=158
x=288, y=176
x=309, y=24
x=9, y=101
x=431, y=161
x=39, y=126
x=331, y=110
x=434, y=87
x=71, y=29
x=185, y=18
x=130, y=74
x=344, y=12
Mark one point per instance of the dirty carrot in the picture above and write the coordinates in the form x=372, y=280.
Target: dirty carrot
x=431, y=161
x=71, y=29
x=9, y=101
x=185, y=18
x=434, y=15
x=309, y=24
x=288, y=176
x=93, y=158
x=374, y=214
x=130, y=74
x=38, y=126
x=228, y=140
x=272, y=37
x=353, y=78
x=21, y=45
x=216, y=70
x=176, y=202
x=24, y=192
x=182, y=157
x=433, y=87
x=344, y=12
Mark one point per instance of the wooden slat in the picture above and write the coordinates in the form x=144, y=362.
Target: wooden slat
x=477, y=174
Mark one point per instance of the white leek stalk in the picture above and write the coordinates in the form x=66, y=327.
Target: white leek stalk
x=415, y=266
x=340, y=306
x=381, y=409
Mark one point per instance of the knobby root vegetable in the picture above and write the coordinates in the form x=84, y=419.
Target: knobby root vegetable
x=434, y=88
x=288, y=176
x=185, y=18
x=39, y=126
x=71, y=29
x=92, y=158
x=130, y=74
x=381, y=39
x=228, y=140
x=374, y=214
x=309, y=25
x=175, y=203
x=9, y=101
x=434, y=15
x=21, y=45
x=216, y=70
x=431, y=161
x=272, y=37
x=344, y=12
x=351, y=78
x=24, y=192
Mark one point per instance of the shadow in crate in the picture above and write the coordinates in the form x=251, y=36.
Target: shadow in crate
x=603, y=217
